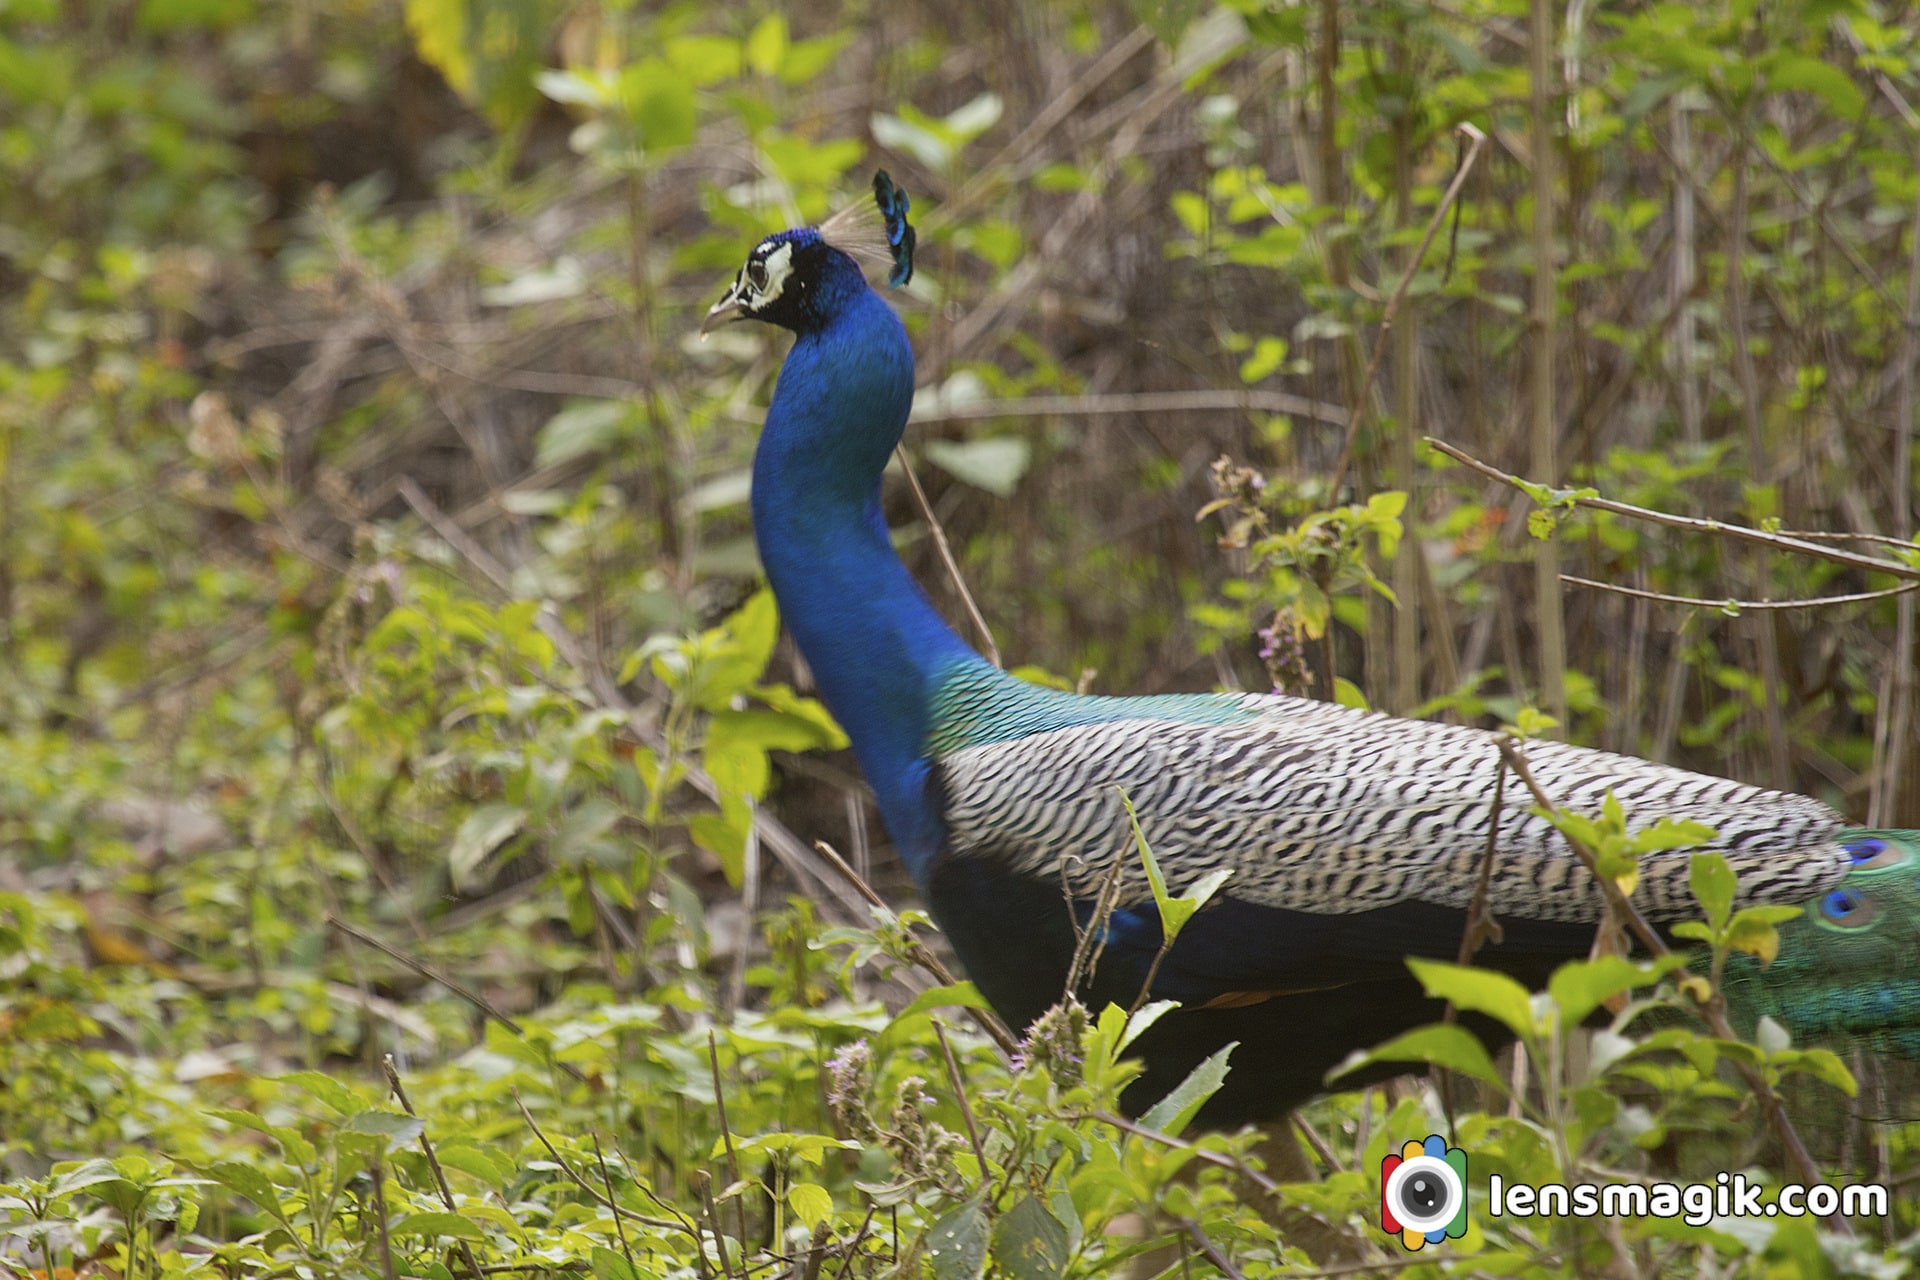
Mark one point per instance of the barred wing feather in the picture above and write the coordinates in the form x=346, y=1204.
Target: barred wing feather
x=1324, y=809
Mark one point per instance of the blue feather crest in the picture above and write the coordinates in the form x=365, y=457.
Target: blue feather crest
x=901, y=239
x=876, y=233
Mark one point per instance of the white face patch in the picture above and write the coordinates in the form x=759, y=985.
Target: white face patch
x=766, y=273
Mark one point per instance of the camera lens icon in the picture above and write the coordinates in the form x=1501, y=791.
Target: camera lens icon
x=1423, y=1192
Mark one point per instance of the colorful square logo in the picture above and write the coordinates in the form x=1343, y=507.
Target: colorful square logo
x=1423, y=1192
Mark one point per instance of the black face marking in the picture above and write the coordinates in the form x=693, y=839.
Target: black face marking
x=777, y=284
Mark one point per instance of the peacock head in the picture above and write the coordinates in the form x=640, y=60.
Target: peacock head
x=792, y=278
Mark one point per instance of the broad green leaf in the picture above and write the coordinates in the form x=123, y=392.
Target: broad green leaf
x=704, y=59
x=439, y=30
x=1713, y=884
x=1174, y=1112
x=956, y=1243
x=1347, y=694
x=1753, y=930
x=1477, y=991
x=610, y=1264
x=1141, y=1019
x=396, y=1129
x=582, y=428
x=485, y=829
x=248, y=1181
x=993, y=463
x=1441, y=1045
x=810, y=1203
x=958, y=995
x=767, y=44
x=87, y=1173
x=439, y=1224
x=1029, y=1242
x=1823, y=1065
x=491, y=1167
x=1788, y=70
x=326, y=1089
x=1581, y=986
x=660, y=102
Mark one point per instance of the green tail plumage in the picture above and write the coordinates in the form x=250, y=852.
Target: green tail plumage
x=1849, y=967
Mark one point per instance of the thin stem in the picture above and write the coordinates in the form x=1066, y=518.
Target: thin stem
x=1695, y=602
x=1738, y=533
x=946, y=558
x=960, y=1096
x=726, y=1134
x=399, y=1090
x=1355, y=415
x=1541, y=323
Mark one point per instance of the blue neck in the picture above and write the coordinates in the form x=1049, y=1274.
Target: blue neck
x=877, y=648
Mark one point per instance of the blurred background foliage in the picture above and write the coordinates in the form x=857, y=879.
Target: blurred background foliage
x=373, y=538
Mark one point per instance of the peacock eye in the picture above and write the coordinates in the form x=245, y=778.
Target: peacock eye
x=757, y=273
x=1847, y=909
x=1870, y=853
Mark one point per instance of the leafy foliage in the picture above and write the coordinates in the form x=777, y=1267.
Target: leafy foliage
x=374, y=564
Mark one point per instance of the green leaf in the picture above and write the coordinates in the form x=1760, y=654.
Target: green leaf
x=1030, y=1243
x=395, y=1129
x=1752, y=930
x=1823, y=1065
x=1477, y=991
x=326, y=1089
x=1788, y=70
x=1347, y=694
x=485, y=829
x=1171, y=917
x=1581, y=986
x=439, y=1224
x=767, y=45
x=704, y=59
x=1713, y=884
x=1269, y=353
x=1174, y=1112
x=772, y=730
x=957, y=995
x=1142, y=1018
x=583, y=427
x=917, y=139
x=609, y=1264
x=192, y=15
x=993, y=463
x=659, y=101
x=87, y=1173
x=439, y=30
x=956, y=1243
x=247, y=1181
x=491, y=1167
x=810, y=1203
x=973, y=117
x=1440, y=1045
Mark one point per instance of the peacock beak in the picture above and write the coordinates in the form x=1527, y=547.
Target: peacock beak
x=725, y=311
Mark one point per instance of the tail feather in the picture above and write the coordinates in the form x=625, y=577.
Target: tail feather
x=1849, y=968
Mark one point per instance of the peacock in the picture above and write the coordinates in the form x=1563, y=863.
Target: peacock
x=1352, y=839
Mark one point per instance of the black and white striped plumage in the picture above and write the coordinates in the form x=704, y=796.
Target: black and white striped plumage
x=1317, y=807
